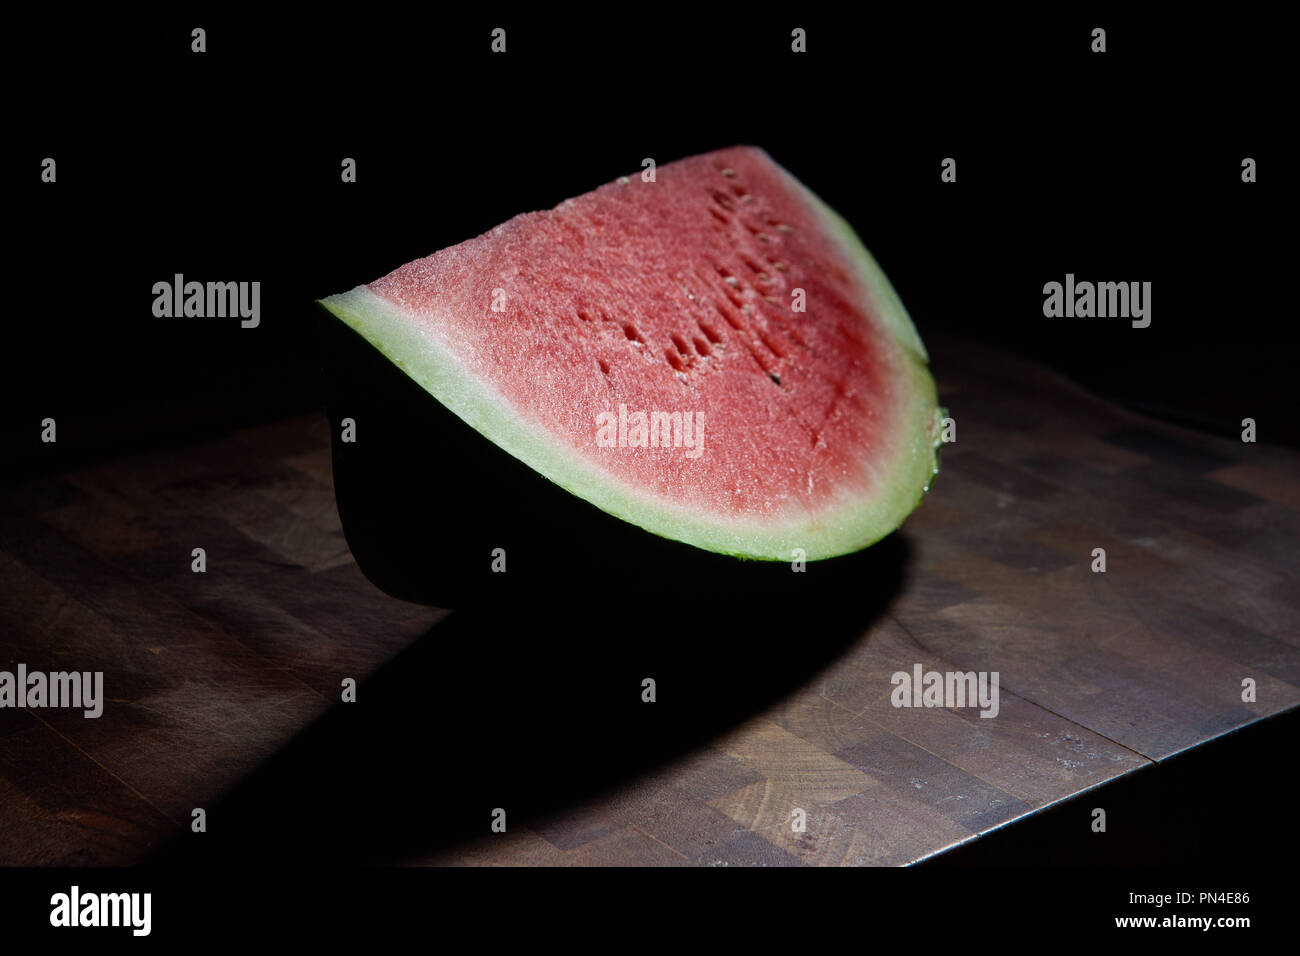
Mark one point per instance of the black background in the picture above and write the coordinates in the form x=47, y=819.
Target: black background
x=1123, y=166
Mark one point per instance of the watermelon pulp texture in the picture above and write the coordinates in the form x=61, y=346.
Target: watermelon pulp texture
x=809, y=433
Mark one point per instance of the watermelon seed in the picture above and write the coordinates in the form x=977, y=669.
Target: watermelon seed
x=774, y=377
x=604, y=367
x=701, y=346
x=633, y=335
x=728, y=172
x=680, y=343
x=675, y=360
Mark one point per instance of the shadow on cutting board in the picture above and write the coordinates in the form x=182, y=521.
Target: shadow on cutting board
x=531, y=708
x=527, y=697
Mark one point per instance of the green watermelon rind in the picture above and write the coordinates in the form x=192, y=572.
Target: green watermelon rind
x=841, y=527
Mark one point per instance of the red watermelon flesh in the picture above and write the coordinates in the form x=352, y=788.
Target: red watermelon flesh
x=809, y=432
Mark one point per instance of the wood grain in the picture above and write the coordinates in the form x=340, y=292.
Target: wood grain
x=210, y=674
x=206, y=674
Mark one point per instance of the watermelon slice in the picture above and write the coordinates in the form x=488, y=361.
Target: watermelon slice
x=712, y=356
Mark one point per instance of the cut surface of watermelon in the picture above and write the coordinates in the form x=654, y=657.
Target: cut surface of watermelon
x=788, y=406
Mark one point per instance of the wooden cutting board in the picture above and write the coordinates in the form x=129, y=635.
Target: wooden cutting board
x=210, y=674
